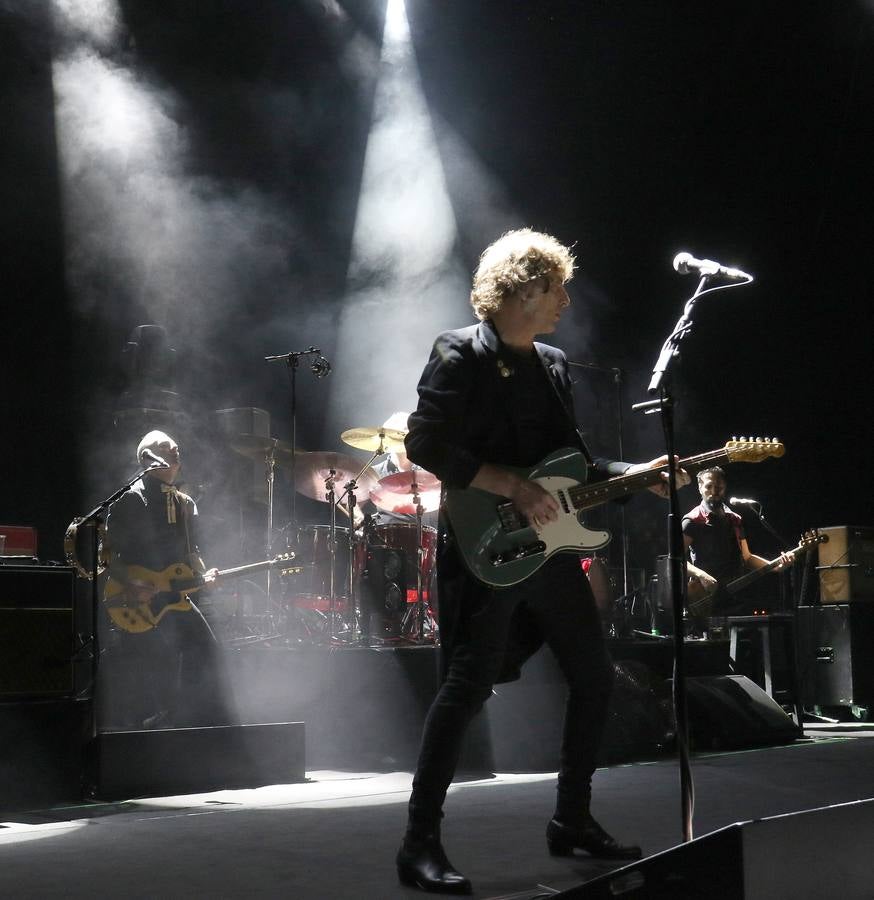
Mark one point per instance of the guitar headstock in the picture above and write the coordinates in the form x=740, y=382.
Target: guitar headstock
x=282, y=558
x=281, y=562
x=753, y=450
x=810, y=538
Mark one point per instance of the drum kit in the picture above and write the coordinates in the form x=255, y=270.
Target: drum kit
x=370, y=579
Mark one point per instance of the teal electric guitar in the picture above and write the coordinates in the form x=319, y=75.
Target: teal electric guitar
x=500, y=548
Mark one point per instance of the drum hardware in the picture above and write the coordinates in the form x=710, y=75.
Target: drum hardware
x=406, y=490
x=272, y=451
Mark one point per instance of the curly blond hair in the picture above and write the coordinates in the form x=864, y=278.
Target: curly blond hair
x=515, y=258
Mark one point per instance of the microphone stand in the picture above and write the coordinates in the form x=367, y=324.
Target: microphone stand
x=759, y=513
x=659, y=387
x=96, y=518
x=664, y=405
x=617, y=378
x=292, y=360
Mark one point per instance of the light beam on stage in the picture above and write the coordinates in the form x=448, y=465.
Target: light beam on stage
x=405, y=281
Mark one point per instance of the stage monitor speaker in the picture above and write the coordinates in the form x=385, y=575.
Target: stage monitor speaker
x=167, y=761
x=36, y=631
x=730, y=712
x=777, y=858
x=846, y=563
x=837, y=667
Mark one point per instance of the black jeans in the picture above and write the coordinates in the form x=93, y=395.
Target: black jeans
x=175, y=671
x=492, y=641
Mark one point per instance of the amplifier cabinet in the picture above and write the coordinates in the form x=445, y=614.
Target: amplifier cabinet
x=846, y=562
x=36, y=631
x=837, y=665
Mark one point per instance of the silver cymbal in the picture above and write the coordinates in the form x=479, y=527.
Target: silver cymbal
x=257, y=447
x=395, y=493
x=311, y=469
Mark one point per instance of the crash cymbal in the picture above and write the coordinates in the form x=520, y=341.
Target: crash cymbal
x=369, y=439
x=403, y=504
x=257, y=447
x=394, y=493
x=311, y=470
x=402, y=482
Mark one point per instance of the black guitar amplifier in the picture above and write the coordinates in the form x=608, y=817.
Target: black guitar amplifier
x=836, y=666
x=36, y=631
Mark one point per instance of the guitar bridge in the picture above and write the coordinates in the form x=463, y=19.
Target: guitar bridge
x=522, y=552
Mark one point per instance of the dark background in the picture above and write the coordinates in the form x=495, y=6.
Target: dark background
x=737, y=131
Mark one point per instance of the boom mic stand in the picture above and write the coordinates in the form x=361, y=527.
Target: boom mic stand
x=659, y=387
x=320, y=367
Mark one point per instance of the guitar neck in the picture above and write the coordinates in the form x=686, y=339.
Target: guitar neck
x=585, y=496
x=744, y=581
x=249, y=567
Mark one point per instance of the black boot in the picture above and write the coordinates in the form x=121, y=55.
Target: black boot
x=422, y=863
x=586, y=835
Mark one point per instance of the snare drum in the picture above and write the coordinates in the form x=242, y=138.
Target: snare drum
x=311, y=587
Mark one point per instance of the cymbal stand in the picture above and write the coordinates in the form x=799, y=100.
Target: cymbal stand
x=348, y=495
x=332, y=555
x=420, y=565
x=270, y=475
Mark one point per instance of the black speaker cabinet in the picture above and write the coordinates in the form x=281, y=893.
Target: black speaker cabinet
x=815, y=853
x=836, y=662
x=846, y=561
x=36, y=631
x=185, y=760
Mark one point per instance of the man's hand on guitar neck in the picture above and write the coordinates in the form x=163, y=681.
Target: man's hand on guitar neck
x=661, y=489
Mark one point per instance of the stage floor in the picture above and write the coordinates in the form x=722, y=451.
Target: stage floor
x=336, y=835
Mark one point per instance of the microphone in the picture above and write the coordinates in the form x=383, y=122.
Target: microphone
x=320, y=367
x=741, y=501
x=154, y=459
x=684, y=263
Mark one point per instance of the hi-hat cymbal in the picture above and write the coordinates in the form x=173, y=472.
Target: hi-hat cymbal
x=311, y=470
x=394, y=493
x=370, y=439
x=257, y=447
